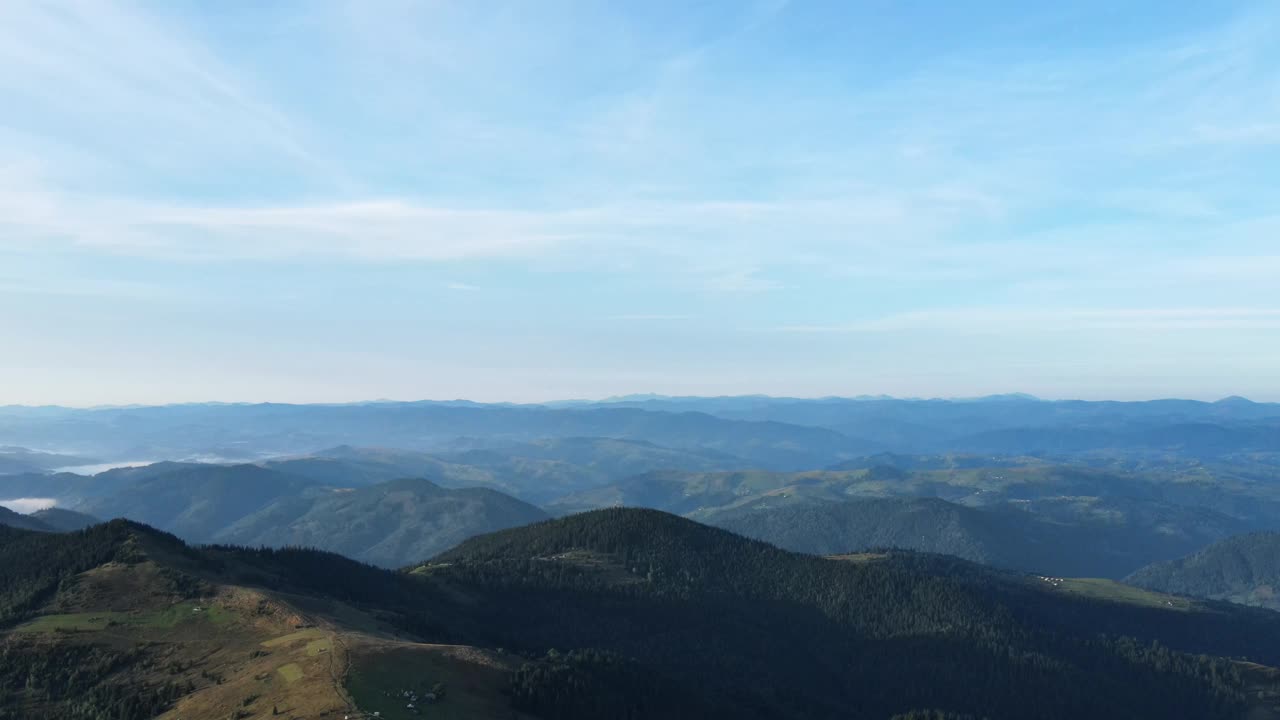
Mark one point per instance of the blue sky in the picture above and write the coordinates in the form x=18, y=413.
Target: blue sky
x=326, y=201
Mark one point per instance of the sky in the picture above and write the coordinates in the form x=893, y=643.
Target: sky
x=340, y=201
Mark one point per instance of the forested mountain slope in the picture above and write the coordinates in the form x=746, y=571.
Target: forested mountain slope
x=766, y=633
x=391, y=524
x=654, y=616
x=194, y=501
x=536, y=471
x=1243, y=569
x=9, y=518
x=620, y=613
x=64, y=520
x=1068, y=536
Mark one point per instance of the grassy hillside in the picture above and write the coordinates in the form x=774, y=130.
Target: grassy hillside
x=122, y=622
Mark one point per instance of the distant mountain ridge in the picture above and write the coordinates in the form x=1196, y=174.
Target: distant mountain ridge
x=47, y=520
x=17, y=460
x=775, y=433
x=1012, y=536
x=9, y=518
x=63, y=520
x=537, y=471
x=194, y=501
x=391, y=524
x=252, y=431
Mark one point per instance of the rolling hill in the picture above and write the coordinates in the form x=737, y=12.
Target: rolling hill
x=1059, y=536
x=390, y=524
x=47, y=520
x=64, y=520
x=1018, y=512
x=536, y=471
x=18, y=460
x=193, y=501
x=1243, y=569
x=9, y=518
x=1033, y=516
x=1250, y=497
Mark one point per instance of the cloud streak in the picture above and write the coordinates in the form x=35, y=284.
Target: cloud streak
x=1052, y=320
x=962, y=150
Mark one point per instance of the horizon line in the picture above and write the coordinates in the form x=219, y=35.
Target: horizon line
x=634, y=398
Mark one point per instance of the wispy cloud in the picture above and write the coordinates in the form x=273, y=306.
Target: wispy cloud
x=650, y=317
x=741, y=281
x=123, y=86
x=823, y=169
x=961, y=150
x=1004, y=320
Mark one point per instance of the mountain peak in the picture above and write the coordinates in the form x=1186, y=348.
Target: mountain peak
x=611, y=530
x=1235, y=400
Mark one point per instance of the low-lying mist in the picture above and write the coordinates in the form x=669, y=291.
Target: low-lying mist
x=27, y=506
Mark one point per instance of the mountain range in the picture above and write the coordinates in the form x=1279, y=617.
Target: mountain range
x=614, y=613
x=772, y=433
x=1071, y=542
x=1097, y=489
x=1016, y=512
x=390, y=523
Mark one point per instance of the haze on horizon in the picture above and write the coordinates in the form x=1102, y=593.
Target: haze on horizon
x=562, y=402
x=340, y=201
